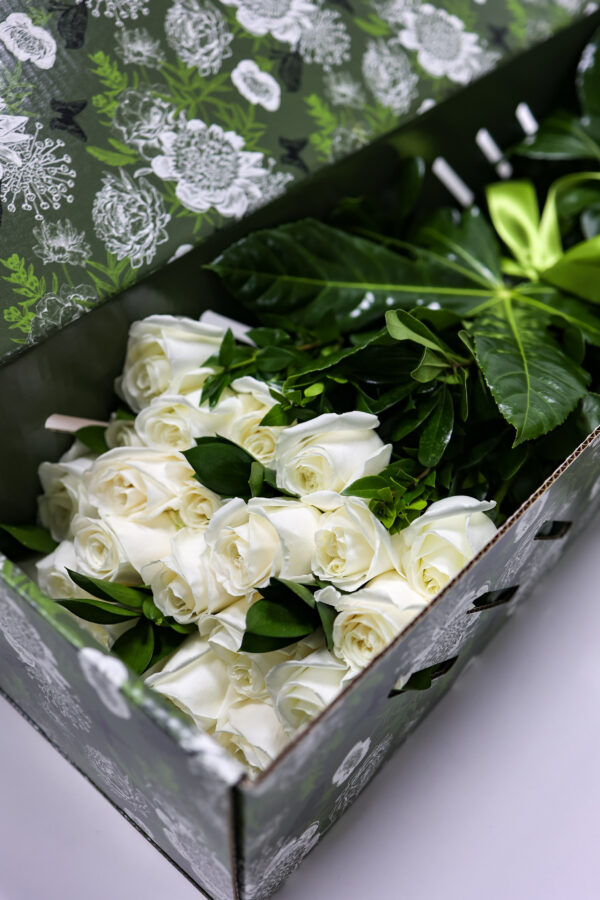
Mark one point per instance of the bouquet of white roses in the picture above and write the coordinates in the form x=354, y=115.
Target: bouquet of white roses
x=237, y=562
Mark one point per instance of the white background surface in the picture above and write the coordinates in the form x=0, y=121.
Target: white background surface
x=495, y=797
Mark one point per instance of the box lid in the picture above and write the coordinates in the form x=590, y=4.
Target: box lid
x=130, y=131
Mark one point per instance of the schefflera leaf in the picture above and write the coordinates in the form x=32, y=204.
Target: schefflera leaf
x=535, y=384
x=311, y=271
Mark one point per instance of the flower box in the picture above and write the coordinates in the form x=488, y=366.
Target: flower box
x=231, y=836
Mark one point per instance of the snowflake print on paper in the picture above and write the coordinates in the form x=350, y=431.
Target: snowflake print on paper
x=115, y=780
x=211, y=168
x=326, y=41
x=11, y=135
x=443, y=46
x=284, y=19
x=188, y=843
x=41, y=179
x=255, y=86
x=357, y=777
x=137, y=47
x=107, y=675
x=28, y=42
x=351, y=761
x=130, y=218
x=119, y=10
x=285, y=861
x=55, y=310
x=141, y=117
x=342, y=90
x=60, y=242
x=199, y=35
x=389, y=75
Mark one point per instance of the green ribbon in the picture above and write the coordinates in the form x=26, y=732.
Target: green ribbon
x=535, y=240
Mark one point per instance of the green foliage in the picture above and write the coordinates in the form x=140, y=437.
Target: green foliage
x=286, y=613
x=15, y=92
x=326, y=121
x=93, y=437
x=152, y=635
x=32, y=537
x=114, y=81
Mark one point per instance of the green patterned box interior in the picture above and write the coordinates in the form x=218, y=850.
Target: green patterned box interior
x=130, y=130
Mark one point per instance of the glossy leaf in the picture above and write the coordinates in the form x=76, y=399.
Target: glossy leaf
x=93, y=436
x=588, y=79
x=561, y=136
x=327, y=615
x=311, y=271
x=437, y=430
x=466, y=240
x=136, y=647
x=532, y=380
x=108, y=590
x=269, y=618
x=221, y=466
x=99, y=611
x=33, y=537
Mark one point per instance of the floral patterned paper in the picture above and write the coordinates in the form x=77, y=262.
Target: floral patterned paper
x=129, y=129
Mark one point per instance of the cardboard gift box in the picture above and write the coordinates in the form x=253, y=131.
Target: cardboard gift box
x=232, y=836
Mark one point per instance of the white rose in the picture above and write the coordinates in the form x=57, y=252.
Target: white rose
x=182, y=582
x=244, y=409
x=62, y=485
x=329, y=453
x=250, y=731
x=369, y=619
x=195, y=680
x=122, y=433
x=117, y=549
x=197, y=505
x=438, y=544
x=52, y=575
x=172, y=422
x=251, y=543
x=351, y=545
x=225, y=629
x=301, y=689
x=296, y=525
x=166, y=353
x=244, y=548
x=138, y=482
x=55, y=581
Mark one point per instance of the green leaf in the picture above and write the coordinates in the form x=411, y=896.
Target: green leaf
x=131, y=597
x=403, y=326
x=221, y=466
x=277, y=416
x=257, y=643
x=227, y=349
x=110, y=157
x=532, y=380
x=33, y=537
x=309, y=271
x=566, y=310
x=268, y=618
x=561, y=136
x=136, y=647
x=578, y=271
x=98, y=611
x=271, y=360
x=464, y=241
x=269, y=337
x=327, y=615
x=437, y=432
x=256, y=479
x=430, y=367
x=534, y=241
x=588, y=78
x=93, y=437
x=281, y=590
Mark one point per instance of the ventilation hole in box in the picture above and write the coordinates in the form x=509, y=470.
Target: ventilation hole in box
x=422, y=680
x=552, y=530
x=493, y=598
